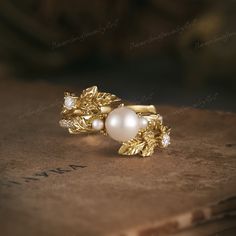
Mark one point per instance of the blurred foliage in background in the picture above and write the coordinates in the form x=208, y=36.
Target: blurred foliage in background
x=55, y=36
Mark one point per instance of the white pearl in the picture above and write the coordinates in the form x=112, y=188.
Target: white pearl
x=143, y=123
x=97, y=124
x=122, y=124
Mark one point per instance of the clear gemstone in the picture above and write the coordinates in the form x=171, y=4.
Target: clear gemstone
x=165, y=140
x=160, y=118
x=66, y=123
x=70, y=102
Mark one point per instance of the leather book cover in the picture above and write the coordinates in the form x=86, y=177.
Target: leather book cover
x=53, y=183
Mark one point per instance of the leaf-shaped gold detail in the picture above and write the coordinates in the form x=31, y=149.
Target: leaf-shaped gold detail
x=92, y=105
x=131, y=147
x=80, y=125
x=86, y=101
x=151, y=143
x=89, y=93
x=147, y=151
x=104, y=99
x=148, y=139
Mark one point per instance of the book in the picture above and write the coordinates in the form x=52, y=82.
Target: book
x=54, y=183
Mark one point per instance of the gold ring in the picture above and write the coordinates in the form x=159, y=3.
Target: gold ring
x=137, y=127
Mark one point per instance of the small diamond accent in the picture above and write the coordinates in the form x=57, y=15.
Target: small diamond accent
x=66, y=123
x=160, y=118
x=165, y=140
x=70, y=102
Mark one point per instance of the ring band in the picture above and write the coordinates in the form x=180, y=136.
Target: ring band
x=139, y=128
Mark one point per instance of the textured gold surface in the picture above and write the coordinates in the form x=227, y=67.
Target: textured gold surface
x=45, y=188
x=90, y=105
x=147, y=139
x=96, y=105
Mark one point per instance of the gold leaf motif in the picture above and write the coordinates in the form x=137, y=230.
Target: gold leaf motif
x=165, y=129
x=154, y=121
x=151, y=143
x=131, y=147
x=80, y=125
x=146, y=141
x=89, y=107
x=104, y=99
x=89, y=93
x=147, y=151
x=86, y=102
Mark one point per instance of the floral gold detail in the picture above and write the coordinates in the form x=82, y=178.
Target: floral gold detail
x=138, y=127
x=88, y=107
x=147, y=140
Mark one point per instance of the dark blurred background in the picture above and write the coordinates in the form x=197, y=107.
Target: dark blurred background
x=158, y=51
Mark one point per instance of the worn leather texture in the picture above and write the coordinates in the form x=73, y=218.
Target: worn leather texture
x=54, y=183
